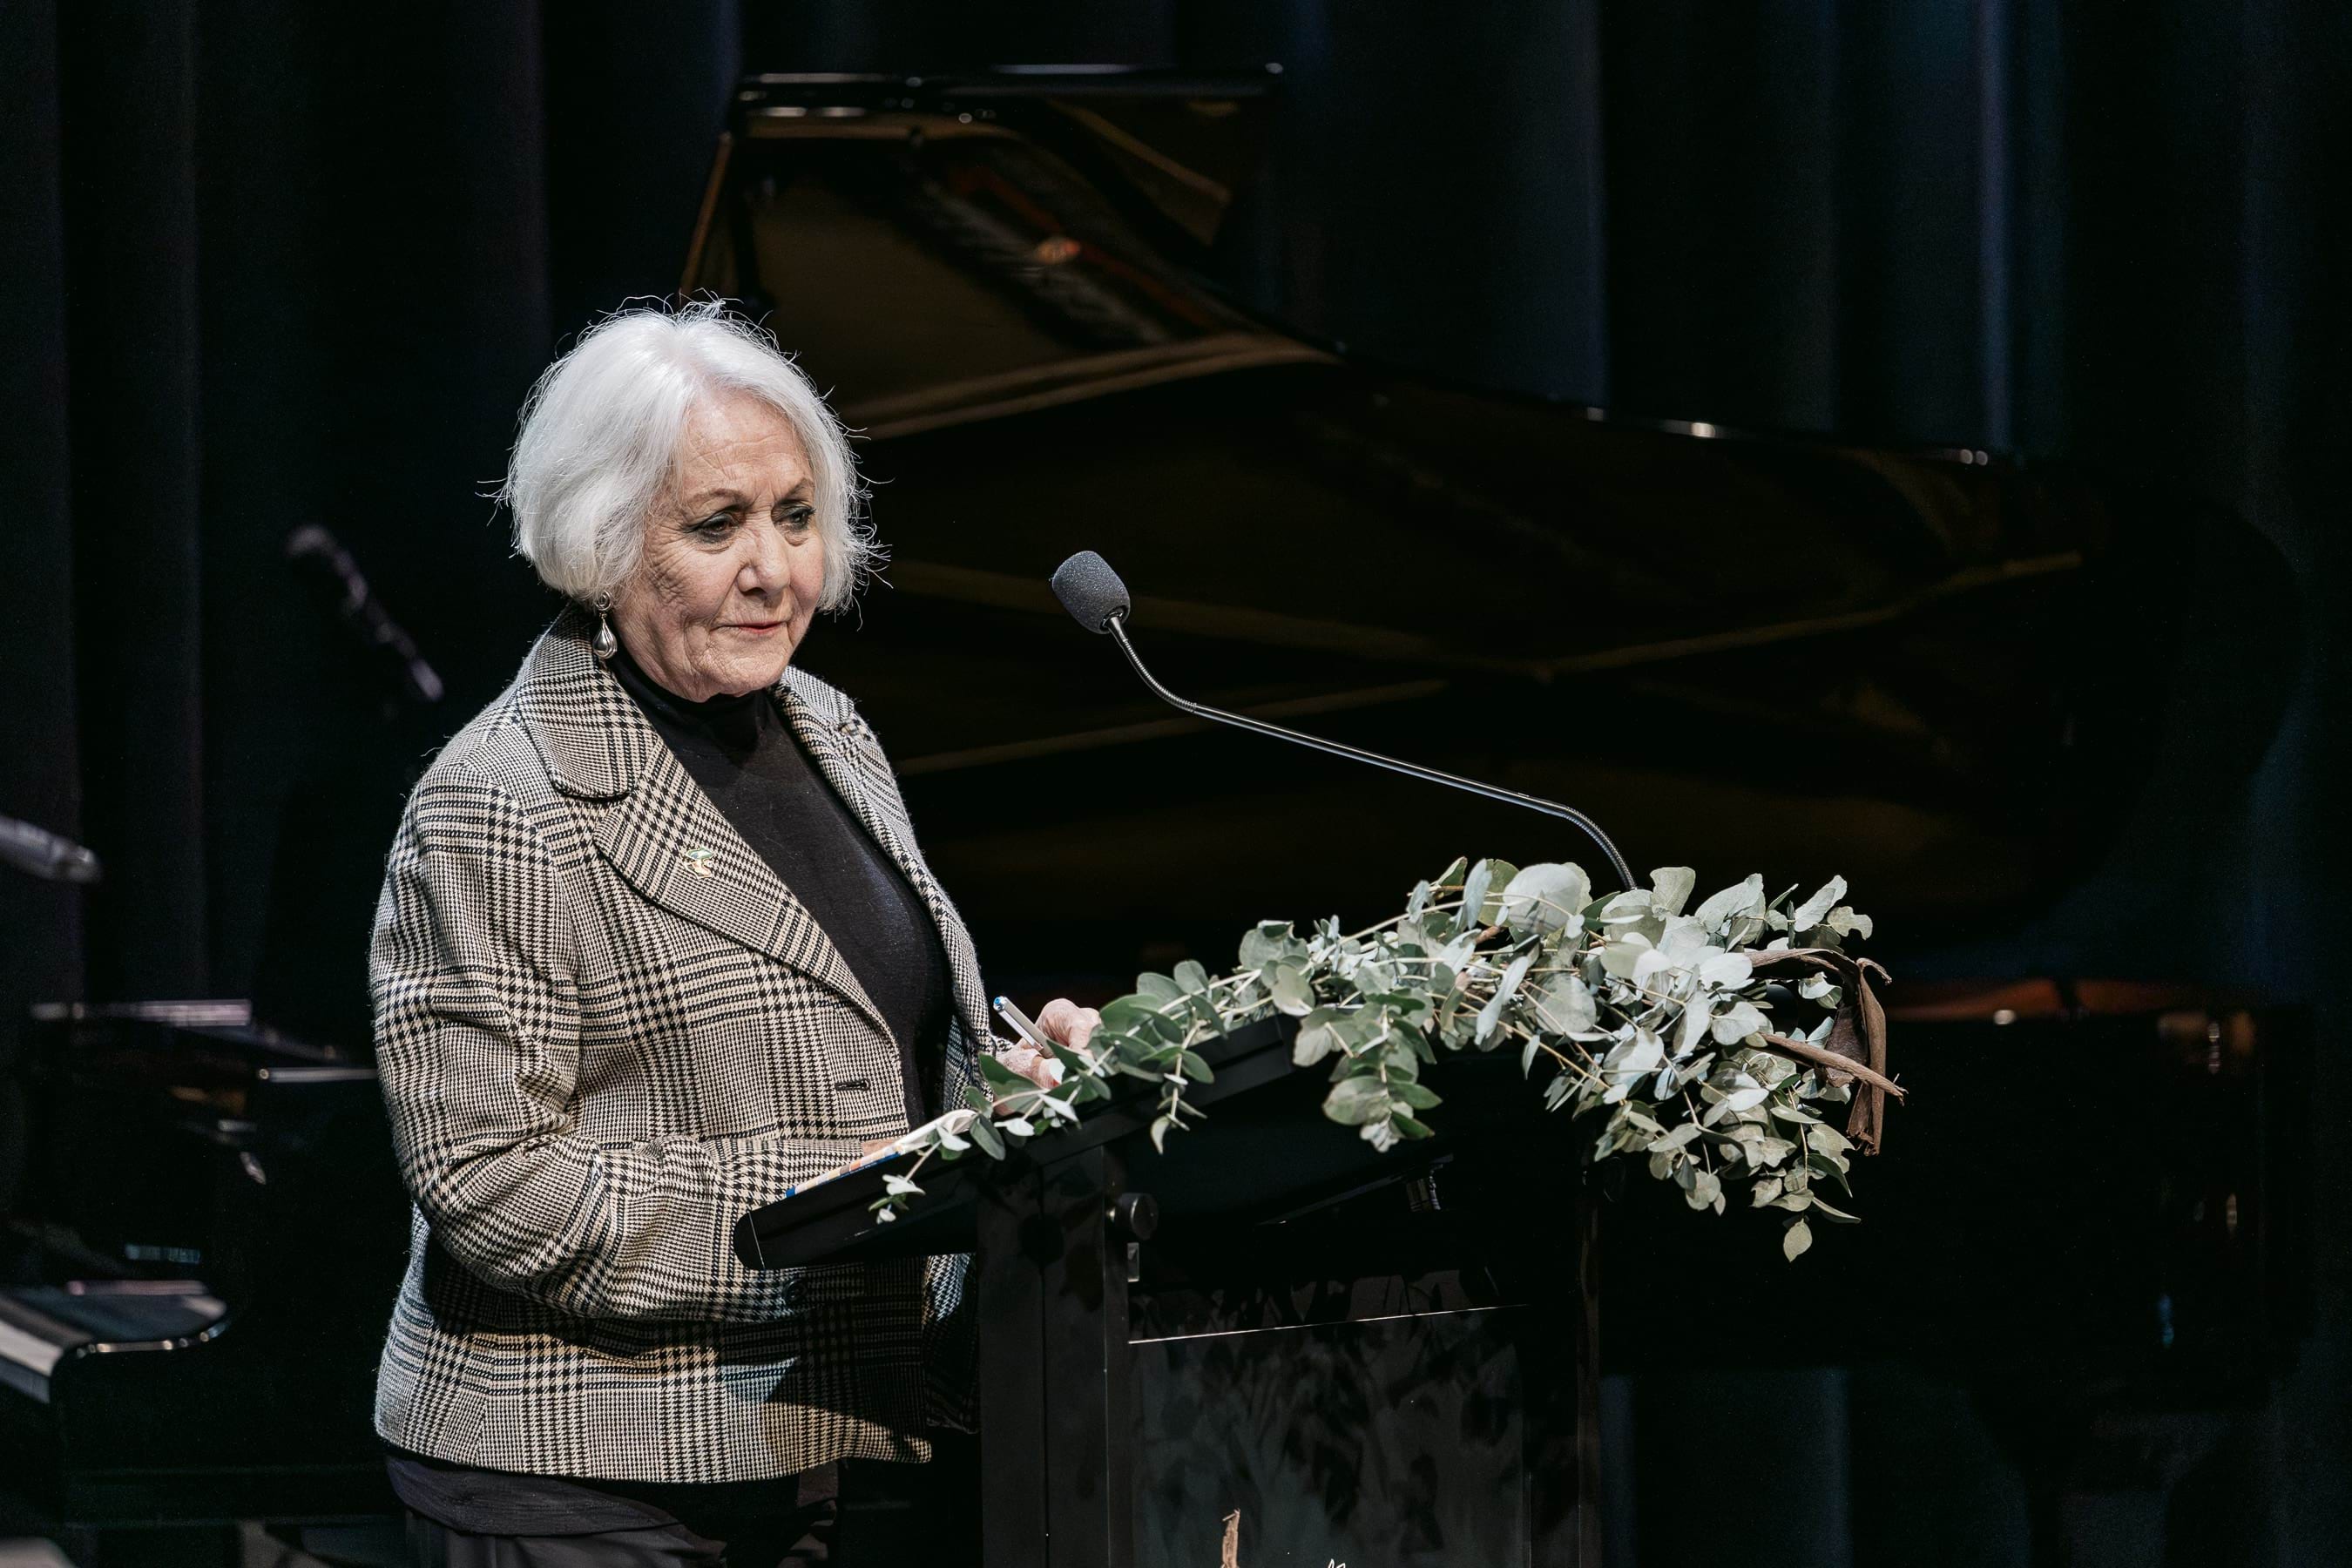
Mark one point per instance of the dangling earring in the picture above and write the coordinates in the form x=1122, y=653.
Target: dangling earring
x=604, y=645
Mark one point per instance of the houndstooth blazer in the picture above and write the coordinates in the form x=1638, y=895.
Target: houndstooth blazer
x=599, y=1047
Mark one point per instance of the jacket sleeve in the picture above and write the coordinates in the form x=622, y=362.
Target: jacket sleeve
x=474, y=968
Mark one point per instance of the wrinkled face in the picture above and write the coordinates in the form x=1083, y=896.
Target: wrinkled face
x=734, y=562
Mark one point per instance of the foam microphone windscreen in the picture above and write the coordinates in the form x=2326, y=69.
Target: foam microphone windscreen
x=1090, y=590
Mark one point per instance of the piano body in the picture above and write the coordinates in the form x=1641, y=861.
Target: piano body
x=1925, y=669
x=204, y=1255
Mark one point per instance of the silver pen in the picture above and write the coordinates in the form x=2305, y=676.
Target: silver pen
x=1023, y=1025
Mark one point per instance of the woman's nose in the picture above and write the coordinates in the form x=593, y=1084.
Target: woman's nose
x=763, y=566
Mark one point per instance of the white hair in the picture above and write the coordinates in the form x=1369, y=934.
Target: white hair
x=599, y=443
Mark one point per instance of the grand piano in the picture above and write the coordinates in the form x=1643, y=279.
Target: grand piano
x=1930, y=670
x=197, y=1259
x=1937, y=672
x=1924, y=669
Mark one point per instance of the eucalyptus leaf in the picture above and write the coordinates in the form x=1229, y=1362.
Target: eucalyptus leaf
x=1622, y=957
x=1159, y=987
x=1355, y=1100
x=1516, y=971
x=1290, y=991
x=1317, y=1038
x=1726, y=970
x=1546, y=897
x=1739, y=1021
x=1846, y=922
x=1474, y=893
x=1741, y=899
x=997, y=1073
x=1808, y=914
x=1563, y=1004
x=1670, y=888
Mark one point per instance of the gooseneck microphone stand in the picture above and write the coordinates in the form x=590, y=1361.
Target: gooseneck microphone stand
x=1095, y=596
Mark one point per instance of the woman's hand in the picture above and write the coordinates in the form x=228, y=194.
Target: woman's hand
x=1063, y=1022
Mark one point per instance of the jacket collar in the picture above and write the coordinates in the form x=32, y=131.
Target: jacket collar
x=595, y=744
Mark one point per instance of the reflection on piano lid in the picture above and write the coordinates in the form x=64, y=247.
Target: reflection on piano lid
x=42, y=1325
x=224, y=1013
x=1931, y=671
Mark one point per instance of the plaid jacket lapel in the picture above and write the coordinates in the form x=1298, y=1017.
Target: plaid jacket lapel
x=662, y=833
x=671, y=843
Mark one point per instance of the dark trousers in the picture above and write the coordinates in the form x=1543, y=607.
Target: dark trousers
x=805, y=1536
x=887, y=1516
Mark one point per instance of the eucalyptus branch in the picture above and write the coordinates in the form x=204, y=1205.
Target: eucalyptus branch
x=1488, y=954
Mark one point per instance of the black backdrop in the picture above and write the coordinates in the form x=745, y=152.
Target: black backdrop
x=264, y=264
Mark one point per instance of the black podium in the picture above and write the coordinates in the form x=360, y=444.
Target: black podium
x=1269, y=1333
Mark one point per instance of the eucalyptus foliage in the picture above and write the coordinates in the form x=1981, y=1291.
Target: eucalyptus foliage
x=1655, y=1023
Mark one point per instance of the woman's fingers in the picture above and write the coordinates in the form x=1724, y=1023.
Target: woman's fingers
x=1063, y=1022
x=1066, y=1021
x=1033, y=1065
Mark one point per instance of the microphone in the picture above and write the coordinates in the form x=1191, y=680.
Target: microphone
x=331, y=567
x=1091, y=592
x=1098, y=601
x=38, y=852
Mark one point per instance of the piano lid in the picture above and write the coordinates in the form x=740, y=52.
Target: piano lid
x=1921, y=669
x=982, y=248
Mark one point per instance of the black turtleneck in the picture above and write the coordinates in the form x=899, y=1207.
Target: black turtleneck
x=743, y=753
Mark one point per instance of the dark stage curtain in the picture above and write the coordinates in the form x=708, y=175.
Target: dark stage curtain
x=262, y=265
x=268, y=264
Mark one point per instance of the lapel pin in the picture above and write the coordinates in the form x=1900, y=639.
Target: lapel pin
x=702, y=862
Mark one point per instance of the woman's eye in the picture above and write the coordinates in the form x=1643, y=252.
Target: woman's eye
x=798, y=518
x=714, y=526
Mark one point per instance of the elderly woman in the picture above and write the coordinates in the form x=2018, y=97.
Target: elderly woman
x=655, y=944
